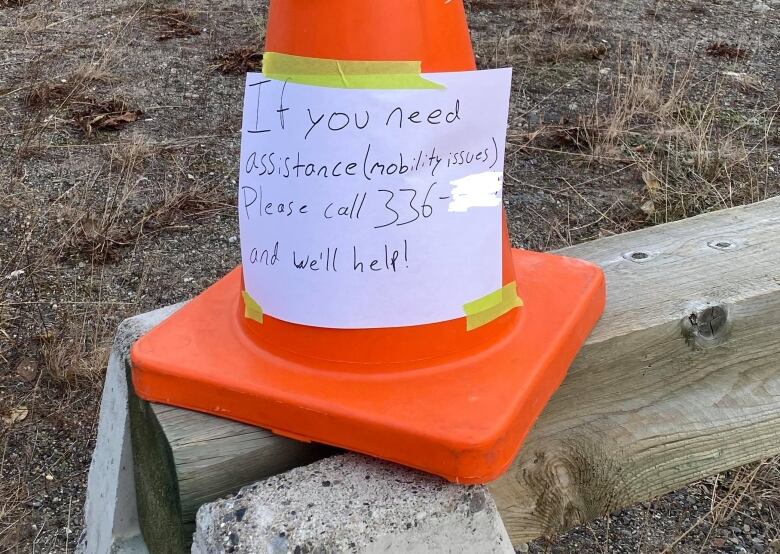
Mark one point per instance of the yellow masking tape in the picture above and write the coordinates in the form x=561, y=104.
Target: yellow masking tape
x=323, y=72
x=490, y=307
x=252, y=309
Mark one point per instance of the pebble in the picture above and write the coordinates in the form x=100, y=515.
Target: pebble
x=761, y=7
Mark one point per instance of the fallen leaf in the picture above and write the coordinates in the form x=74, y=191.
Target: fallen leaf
x=745, y=80
x=652, y=184
x=27, y=369
x=726, y=50
x=239, y=61
x=107, y=116
x=17, y=414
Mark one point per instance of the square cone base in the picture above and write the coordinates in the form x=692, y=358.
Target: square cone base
x=463, y=419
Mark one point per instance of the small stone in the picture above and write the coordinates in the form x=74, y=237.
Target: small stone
x=760, y=7
x=522, y=547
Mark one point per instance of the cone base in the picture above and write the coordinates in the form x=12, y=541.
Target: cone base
x=463, y=418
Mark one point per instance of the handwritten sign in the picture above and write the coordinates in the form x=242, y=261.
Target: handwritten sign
x=372, y=208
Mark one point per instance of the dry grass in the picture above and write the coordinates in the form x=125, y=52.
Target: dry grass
x=173, y=23
x=5, y=320
x=51, y=102
x=100, y=227
x=554, y=31
x=60, y=93
x=75, y=353
x=730, y=494
x=694, y=154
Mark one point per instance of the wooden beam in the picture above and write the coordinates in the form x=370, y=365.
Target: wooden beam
x=680, y=379
x=183, y=459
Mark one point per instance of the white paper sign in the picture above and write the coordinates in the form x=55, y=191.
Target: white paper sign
x=372, y=208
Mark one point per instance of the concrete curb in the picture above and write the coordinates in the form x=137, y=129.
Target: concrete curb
x=110, y=514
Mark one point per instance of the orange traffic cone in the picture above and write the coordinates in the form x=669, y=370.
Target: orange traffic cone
x=444, y=397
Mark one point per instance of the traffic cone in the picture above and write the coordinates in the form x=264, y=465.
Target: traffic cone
x=444, y=397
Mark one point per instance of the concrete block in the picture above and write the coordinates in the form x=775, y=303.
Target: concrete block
x=110, y=514
x=351, y=503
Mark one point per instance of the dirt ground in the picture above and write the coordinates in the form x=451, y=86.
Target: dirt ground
x=118, y=164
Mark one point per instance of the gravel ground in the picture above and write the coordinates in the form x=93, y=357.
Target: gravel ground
x=119, y=154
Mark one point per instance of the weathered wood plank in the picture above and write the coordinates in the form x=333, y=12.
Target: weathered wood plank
x=208, y=456
x=679, y=380
x=212, y=455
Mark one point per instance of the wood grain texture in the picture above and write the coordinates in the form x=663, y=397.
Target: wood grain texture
x=680, y=379
x=213, y=456
x=184, y=459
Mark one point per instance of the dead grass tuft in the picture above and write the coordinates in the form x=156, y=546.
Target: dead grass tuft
x=75, y=353
x=567, y=13
x=239, y=61
x=100, y=227
x=173, y=23
x=66, y=90
x=5, y=321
